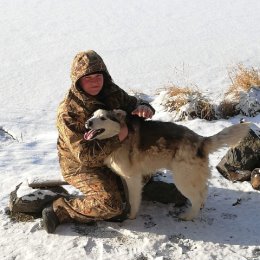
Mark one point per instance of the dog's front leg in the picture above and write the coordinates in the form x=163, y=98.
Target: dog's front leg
x=134, y=185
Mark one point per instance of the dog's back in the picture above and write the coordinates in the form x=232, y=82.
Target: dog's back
x=168, y=135
x=155, y=133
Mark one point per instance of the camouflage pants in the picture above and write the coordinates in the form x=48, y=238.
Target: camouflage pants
x=101, y=199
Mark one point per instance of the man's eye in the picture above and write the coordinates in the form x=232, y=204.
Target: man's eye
x=102, y=118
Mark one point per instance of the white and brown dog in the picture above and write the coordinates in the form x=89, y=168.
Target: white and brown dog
x=153, y=145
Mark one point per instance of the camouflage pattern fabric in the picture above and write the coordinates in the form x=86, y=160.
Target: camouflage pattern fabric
x=74, y=152
x=101, y=197
x=78, y=157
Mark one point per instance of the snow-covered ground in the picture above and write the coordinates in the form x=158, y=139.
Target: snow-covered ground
x=146, y=45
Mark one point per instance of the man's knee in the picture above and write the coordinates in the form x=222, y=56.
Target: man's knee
x=109, y=205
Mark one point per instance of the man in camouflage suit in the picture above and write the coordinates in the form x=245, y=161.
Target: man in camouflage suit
x=81, y=161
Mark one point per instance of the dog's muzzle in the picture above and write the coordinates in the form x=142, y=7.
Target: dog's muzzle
x=92, y=133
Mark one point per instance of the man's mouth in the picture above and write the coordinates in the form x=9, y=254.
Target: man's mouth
x=92, y=133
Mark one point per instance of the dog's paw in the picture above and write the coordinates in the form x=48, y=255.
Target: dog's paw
x=132, y=216
x=187, y=215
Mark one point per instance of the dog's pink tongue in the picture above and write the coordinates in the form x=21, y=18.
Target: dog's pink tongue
x=88, y=135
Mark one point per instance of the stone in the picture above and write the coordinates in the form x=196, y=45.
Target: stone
x=33, y=201
x=255, y=178
x=163, y=192
x=241, y=160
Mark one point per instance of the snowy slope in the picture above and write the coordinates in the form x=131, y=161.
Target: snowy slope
x=146, y=45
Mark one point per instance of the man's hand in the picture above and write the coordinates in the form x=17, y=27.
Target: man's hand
x=143, y=111
x=123, y=133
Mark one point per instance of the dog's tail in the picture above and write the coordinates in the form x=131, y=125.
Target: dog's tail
x=227, y=137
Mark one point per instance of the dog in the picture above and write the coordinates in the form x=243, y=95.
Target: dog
x=153, y=145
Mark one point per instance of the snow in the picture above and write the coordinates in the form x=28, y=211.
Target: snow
x=250, y=102
x=146, y=45
x=26, y=193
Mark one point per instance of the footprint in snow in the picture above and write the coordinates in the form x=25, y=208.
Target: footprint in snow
x=148, y=221
x=228, y=216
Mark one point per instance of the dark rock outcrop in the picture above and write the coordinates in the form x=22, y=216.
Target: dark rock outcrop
x=241, y=160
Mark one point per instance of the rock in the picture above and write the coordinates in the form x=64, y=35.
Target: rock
x=255, y=178
x=32, y=201
x=241, y=160
x=163, y=192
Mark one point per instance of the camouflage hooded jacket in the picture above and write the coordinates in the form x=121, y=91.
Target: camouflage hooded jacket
x=76, y=154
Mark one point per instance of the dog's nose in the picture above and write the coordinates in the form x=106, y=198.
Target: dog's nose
x=88, y=124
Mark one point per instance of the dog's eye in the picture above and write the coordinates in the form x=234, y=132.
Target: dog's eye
x=102, y=118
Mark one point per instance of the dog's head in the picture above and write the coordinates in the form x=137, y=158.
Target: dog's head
x=104, y=124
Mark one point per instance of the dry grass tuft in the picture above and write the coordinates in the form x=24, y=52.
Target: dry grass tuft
x=188, y=102
x=178, y=97
x=227, y=108
x=242, y=80
x=205, y=110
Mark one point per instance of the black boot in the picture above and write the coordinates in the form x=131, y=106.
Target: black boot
x=49, y=220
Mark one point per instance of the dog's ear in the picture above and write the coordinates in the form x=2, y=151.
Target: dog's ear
x=119, y=115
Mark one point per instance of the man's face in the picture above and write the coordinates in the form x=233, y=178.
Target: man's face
x=92, y=84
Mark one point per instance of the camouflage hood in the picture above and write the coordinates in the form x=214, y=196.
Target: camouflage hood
x=84, y=63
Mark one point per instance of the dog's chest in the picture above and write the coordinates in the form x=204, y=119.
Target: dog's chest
x=120, y=161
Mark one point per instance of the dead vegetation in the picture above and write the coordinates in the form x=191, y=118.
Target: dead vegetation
x=188, y=103
x=242, y=97
x=227, y=108
x=242, y=79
